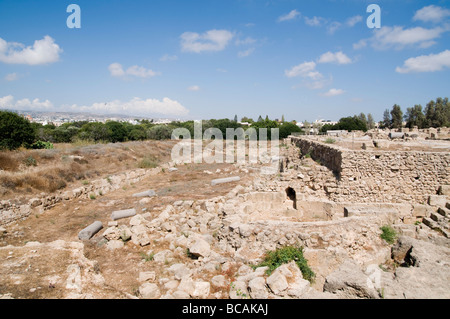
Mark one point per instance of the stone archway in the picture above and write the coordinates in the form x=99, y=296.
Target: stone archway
x=290, y=193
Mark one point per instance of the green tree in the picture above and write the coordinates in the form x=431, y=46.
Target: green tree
x=138, y=133
x=370, y=122
x=266, y=124
x=397, y=117
x=351, y=123
x=440, y=118
x=118, y=132
x=15, y=131
x=95, y=131
x=159, y=132
x=363, y=118
x=247, y=119
x=287, y=128
x=414, y=117
x=387, y=122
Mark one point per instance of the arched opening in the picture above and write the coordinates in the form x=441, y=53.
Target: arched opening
x=290, y=192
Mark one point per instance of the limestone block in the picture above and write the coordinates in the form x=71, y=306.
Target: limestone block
x=90, y=231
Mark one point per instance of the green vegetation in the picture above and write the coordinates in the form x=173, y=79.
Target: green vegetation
x=148, y=162
x=30, y=161
x=274, y=259
x=435, y=114
x=147, y=257
x=388, y=234
x=351, y=123
x=15, y=131
x=330, y=141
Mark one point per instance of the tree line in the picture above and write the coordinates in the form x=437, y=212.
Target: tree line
x=436, y=114
x=17, y=131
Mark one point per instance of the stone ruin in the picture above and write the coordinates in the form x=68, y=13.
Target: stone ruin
x=330, y=200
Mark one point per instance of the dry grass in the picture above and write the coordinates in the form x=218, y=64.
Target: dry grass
x=28, y=172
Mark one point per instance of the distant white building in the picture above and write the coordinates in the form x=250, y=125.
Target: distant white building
x=323, y=122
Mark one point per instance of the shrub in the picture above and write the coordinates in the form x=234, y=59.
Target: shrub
x=41, y=145
x=148, y=162
x=388, y=234
x=274, y=259
x=330, y=141
x=15, y=131
x=30, y=161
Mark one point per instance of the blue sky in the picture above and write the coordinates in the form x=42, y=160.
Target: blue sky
x=305, y=60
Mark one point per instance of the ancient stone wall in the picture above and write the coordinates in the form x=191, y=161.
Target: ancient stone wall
x=380, y=176
x=10, y=211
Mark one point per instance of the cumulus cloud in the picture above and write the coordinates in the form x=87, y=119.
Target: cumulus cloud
x=334, y=92
x=398, y=37
x=431, y=13
x=351, y=22
x=136, y=106
x=9, y=102
x=338, y=57
x=212, y=40
x=314, y=21
x=246, y=53
x=306, y=69
x=333, y=27
x=43, y=51
x=426, y=63
x=290, y=16
x=167, y=57
x=117, y=70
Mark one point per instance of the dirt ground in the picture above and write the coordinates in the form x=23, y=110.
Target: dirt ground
x=120, y=267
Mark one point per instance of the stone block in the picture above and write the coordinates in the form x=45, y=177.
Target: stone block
x=225, y=180
x=119, y=214
x=90, y=231
x=148, y=193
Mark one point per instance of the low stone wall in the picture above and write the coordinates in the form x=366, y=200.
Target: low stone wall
x=328, y=155
x=380, y=176
x=10, y=212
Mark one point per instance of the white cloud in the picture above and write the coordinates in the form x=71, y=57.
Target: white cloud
x=246, y=41
x=212, y=40
x=11, y=77
x=8, y=102
x=334, y=92
x=140, y=72
x=431, y=13
x=426, y=63
x=194, y=88
x=306, y=69
x=136, y=106
x=333, y=27
x=43, y=51
x=117, y=70
x=338, y=57
x=167, y=57
x=360, y=44
x=315, y=21
x=354, y=20
x=246, y=53
x=397, y=37
x=290, y=16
